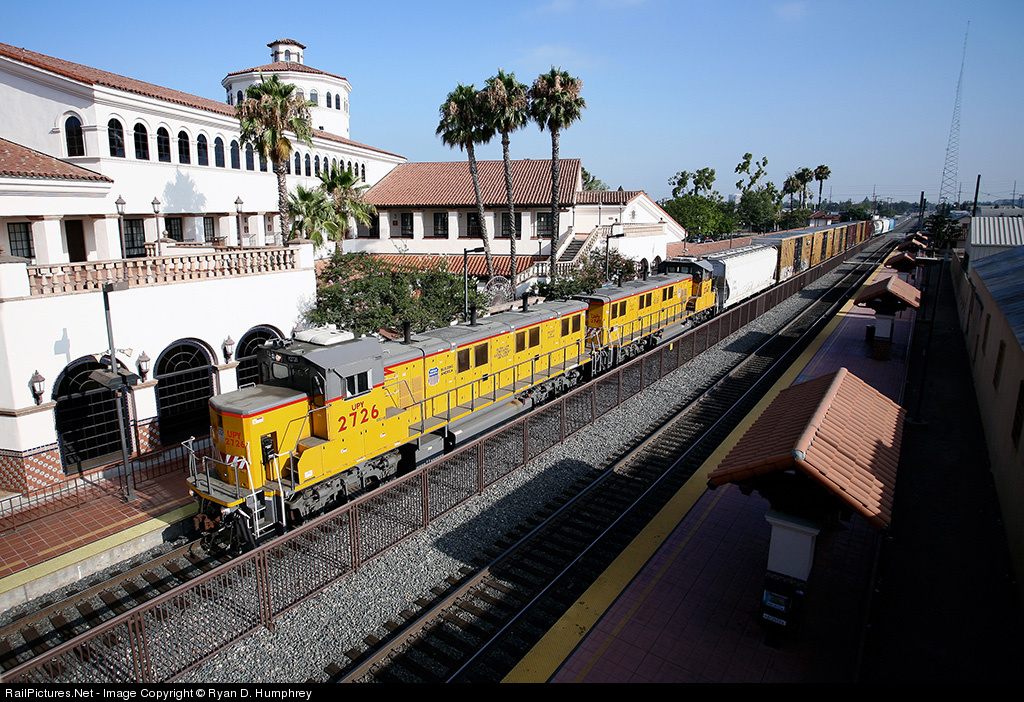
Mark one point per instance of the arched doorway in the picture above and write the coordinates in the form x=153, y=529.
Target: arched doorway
x=247, y=372
x=184, y=375
x=86, y=417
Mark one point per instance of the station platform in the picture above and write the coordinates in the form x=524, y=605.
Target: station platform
x=681, y=604
x=61, y=547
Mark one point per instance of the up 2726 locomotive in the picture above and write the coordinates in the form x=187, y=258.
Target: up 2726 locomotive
x=334, y=415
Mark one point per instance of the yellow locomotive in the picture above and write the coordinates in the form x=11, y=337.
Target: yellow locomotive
x=334, y=414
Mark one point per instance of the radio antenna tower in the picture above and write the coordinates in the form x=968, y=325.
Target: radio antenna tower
x=949, y=170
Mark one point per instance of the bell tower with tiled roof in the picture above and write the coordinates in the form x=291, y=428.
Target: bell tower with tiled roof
x=328, y=91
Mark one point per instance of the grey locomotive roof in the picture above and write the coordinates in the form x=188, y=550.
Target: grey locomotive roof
x=256, y=399
x=692, y=260
x=635, y=287
x=1003, y=275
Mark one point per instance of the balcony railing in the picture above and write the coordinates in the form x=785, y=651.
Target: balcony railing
x=65, y=278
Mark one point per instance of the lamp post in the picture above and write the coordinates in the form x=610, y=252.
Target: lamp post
x=118, y=382
x=615, y=233
x=156, y=217
x=120, y=203
x=238, y=209
x=465, y=278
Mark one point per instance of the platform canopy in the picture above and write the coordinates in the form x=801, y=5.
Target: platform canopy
x=835, y=431
x=889, y=296
x=903, y=262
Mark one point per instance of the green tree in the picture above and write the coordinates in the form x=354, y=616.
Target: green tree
x=703, y=179
x=589, y=276
x=821, y=174
x=506, y=106
x=680, y=182
x=271, y=109
x=941, y=229
x=462, y=125
x=753, y=178
x=791, y=187
x=555, y=103
x=591, y=183
x=361, y=293
x=804, y=176
x=759, y=209
x=312, y=216
x=347, y=198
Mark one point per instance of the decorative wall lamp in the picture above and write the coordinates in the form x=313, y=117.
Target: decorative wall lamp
x=229, y=348
x=38, y=387
x=143, y=365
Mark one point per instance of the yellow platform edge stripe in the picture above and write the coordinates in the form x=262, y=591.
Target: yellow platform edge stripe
x=547, y=656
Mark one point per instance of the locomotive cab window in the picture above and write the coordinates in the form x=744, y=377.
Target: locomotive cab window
x=668, y=293
x=520, y=342
x=480, y=355
x=577, y=322
x=566, y=325
x=463, y=359
x=358, y=384
x=535, y=337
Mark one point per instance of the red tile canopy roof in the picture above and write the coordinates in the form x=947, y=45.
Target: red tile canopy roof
x=904, y=292
x=281, y=66
x=21, y=161
x=838, y=431
x=449, y=184
x=606, y=197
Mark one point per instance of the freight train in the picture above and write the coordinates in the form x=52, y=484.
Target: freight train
x=334, y=415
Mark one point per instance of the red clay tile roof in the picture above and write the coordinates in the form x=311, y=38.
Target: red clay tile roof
x=902, y=261
x=287, y=41
x=891, y=286
x=477, y=263
x=21, y=161
x=281, y=66
x=606, y=197
x=94, y=76
x=837, y=430
x=449, y=184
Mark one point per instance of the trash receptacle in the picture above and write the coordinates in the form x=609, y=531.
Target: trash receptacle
x=869, y=333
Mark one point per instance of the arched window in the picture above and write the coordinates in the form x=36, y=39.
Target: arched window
x=249, y=163
x=287, y=54
x=247, y=370
x=239, y=98
x=263, y=163
x=230, y=96
x=184, y=386
x=309, y=171
x=115, y=136
x=316, y=165
x=235, y=157
x=184, y=156
x=337, y=102
x=302, y=95
x=163, y=145
x=218, y=152
x=202, y=151
x=141, y=143
x=334, y=164
x=349, y=166
x=73, y=134
x=329, y=100
x=298, y=164
x=314, y=97
x=364, y=173
x=288, y=166
x=86, y=417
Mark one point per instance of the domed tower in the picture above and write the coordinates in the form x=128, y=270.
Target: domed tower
x=328, y=91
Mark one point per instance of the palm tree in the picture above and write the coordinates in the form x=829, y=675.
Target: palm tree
x=462, y=125
x=506, y=106
x=555, y=103
x=804, y=176
x=821, y=174
x=269, y=111
x=790, y=187
x=312, y=215
x=346, y=197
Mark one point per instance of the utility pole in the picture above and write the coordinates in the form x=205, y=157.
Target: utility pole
x=977, y=188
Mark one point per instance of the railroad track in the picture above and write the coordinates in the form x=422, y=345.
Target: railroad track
x=59, y=620
x=488, y=619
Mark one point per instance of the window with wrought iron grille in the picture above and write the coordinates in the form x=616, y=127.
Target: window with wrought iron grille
x=473, y=229
x=20, y=236
x=134, y=238
x=506, y=224
x=175, y=230
x=405, y=230
x=209, y=231
x=544, y=225
x=441, y=225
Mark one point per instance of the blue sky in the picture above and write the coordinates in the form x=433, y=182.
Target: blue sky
x=865, y=87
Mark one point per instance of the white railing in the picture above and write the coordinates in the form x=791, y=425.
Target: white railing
x=63, y=278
